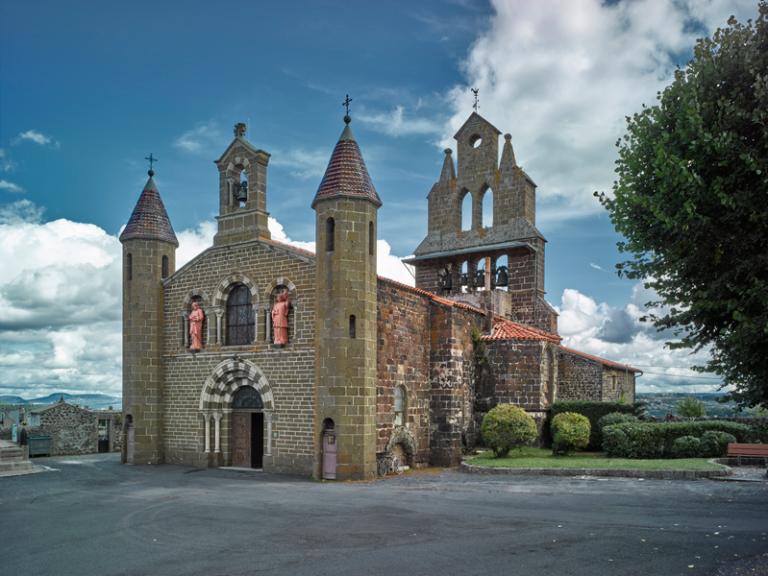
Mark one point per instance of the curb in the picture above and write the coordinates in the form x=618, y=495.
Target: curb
x=610, y=473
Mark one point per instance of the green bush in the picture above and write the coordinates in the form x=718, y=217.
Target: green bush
x=715, y=443
x=655, y=439
x=690, y=407
x=615, y=418
x=506, y=427
x=686, y=447
x=570, y=431
x=594, y=411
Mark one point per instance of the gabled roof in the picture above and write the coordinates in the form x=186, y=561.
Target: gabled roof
x=603, y=361
x=504, y=329
x=240, y=140
x=474, y=119
x=346, y=174
x=149, y=220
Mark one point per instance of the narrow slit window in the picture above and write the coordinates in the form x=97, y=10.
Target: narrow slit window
x=129, y=266
x=165, y=267
x=352, y=327
x=371, y=239
x=330, y=231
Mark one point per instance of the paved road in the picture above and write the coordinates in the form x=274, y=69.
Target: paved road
x=95, y=517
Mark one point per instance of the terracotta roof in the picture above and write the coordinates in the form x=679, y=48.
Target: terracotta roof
x=346, y=174
x=603, y=361
x=149, y=219
x=504, y=329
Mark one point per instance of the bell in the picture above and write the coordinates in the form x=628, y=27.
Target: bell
x=445, y=281
x=242, y=191
x=480, y=278
x=464, y=279
x=502, y=276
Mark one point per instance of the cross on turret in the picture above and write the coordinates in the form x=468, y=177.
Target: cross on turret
x=152, y=160
x=347, y=118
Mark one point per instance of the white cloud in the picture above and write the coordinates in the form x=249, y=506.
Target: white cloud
x=561, y=75
x=192, y=241
x=37, y=137
x=6, y=164
x=616, y=333
x=202, y=139
x=596, y=266
x=395, y=123
x=60, y=296
x=10, y=186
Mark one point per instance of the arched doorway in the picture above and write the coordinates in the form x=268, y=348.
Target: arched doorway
x=329, y=449
x=247, y=428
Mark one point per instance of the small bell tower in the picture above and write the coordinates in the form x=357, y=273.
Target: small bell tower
x=346, y=205
x=243, y=212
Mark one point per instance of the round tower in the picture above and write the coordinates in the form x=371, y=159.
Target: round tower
x=149, y=256
x=346, y=206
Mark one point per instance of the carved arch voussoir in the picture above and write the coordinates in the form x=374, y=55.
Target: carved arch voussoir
x=221, y=385
x=222, y=290
x=281, y=281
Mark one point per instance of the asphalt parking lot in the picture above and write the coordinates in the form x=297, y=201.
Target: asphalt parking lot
x=93, y=516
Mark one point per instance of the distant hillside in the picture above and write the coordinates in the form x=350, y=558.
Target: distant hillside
x=661, y=404
x=94, y=401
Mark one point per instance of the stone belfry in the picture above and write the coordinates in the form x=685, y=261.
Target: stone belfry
x=149, y=256
x=243, y=212
x=346, y=206
x=482, y=243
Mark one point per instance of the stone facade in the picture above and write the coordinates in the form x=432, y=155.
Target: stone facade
x=376, y=375
x=75, y=430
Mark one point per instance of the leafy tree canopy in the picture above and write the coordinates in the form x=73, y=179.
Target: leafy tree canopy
x=691, y=200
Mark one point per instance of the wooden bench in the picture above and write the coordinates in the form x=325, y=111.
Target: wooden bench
x=740, y=451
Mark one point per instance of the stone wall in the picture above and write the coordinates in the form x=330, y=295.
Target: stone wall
x=618, y=385
x=579, y=378
x=73, y=430
x=290, y=371
x=403, y=360
x=452, y=376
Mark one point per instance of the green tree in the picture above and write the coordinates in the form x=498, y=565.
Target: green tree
x=691, y=201
x=690, y=407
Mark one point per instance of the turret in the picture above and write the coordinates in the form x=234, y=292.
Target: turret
x=346, y=206
x=149, y=256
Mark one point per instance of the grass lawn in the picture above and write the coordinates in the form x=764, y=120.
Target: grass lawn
x=543, y=458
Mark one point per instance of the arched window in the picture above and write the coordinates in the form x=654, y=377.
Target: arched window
x=501, y=279
x=488, y=208
x=480, y=275
x=400, y=405
x=129, y=266
x=330, y=231
x=464, y=279
x=352, y=326
x=164, y=271
x=240, y=325
x=371, y=239
x=241, y=188
x=466, y=211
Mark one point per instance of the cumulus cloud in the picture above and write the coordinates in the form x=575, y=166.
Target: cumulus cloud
x=202, y=139
x=617, y=333
x=37, y=138
x=10, y=186
x=60, y=296
x=561, y=75
x=395, y=123
x=302, y=163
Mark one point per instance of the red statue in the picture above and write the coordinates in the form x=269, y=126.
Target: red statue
x=280, y=318
x=196, y=318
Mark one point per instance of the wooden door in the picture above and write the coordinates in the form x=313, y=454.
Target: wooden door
x=257, y=440
x=241, y=439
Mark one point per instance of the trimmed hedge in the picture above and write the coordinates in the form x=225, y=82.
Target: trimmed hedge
x=655, y=439
x=715, y=444
x=594, y=411
x=686, y=447
x=506, y=427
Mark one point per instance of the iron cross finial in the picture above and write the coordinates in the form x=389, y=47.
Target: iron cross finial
x=475, y=91
x=346, y=102
x=152, y=160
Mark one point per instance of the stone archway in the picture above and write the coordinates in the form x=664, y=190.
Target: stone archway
x=215, y=406
x=399, y=453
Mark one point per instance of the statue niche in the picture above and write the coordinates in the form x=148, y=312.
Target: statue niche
x=280, y=312
x=196, y=319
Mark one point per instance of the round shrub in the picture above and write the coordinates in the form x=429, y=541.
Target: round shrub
x=506, y=427
x=686, y=447
x=714, y=443
x=570, y=431
x=615, y=418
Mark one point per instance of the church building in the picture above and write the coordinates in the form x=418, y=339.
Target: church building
x=258, y=354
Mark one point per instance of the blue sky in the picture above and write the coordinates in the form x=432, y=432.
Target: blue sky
x=88, y=89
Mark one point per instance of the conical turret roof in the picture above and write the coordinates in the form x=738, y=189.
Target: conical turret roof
x=149, y=220
x=346, y=174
